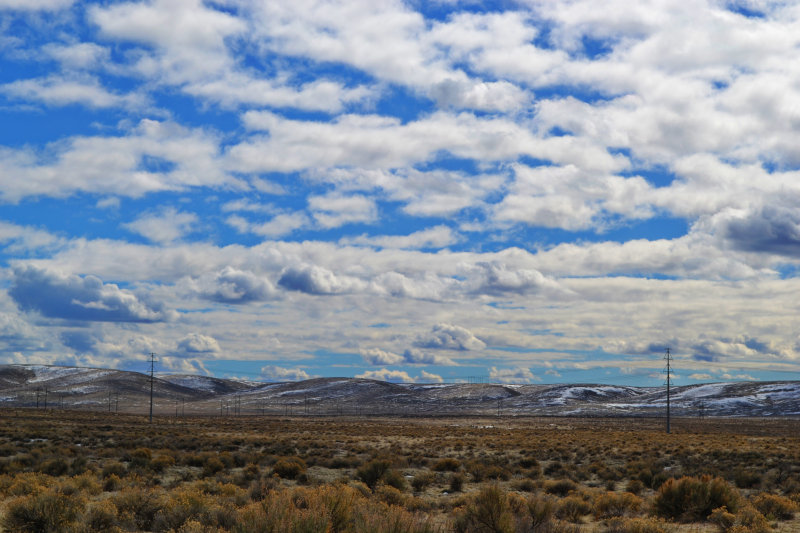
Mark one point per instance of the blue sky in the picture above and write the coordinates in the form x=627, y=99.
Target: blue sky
x=521, y=192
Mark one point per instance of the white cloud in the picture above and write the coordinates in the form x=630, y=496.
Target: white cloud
x=35, y=5
x=376, y=142
x=415, y=356
x=512, y=375
x=427, y=377
x=278, y=373
x=61, y=91
x=195, y=343
x=81, y=298
x=151, y=157
x=376, y=356
x=234, y=286
x=165, y=227
x=313, y=279
x=449, y=337
x=280, y=225
x=385, y=374
x=78, y=55
x=21, y=239
x=435, y=237
x=334, y=210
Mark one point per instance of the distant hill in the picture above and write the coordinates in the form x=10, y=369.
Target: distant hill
x=129, y=392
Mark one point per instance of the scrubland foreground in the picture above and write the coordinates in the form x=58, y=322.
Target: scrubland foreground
x=70, y=471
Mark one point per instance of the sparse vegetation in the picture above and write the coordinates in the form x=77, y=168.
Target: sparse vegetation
x=80, y=472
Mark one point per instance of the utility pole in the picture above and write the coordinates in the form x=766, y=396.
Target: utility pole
x=152, y=377
x=668, y=359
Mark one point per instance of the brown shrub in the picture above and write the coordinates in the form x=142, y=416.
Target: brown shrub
x=690, y=499
x=614, y=504
x=289, y=468
x=775, y=507
x=46, y=512
x=448, y=464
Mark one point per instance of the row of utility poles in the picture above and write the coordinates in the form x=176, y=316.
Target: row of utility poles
x=228, y=408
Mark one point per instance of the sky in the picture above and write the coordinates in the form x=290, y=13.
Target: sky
x=532, y=191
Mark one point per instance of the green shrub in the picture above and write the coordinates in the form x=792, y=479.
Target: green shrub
x=691, y=499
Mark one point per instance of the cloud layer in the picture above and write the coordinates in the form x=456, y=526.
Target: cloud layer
x=530, y=190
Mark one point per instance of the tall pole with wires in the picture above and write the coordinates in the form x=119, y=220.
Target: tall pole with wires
x=668, y=370
x=152, y=377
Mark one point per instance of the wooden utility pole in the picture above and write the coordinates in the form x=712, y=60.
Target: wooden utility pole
x=668, y=359
x=152, y=377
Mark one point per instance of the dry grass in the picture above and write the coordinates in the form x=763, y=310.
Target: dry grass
x=73, y=471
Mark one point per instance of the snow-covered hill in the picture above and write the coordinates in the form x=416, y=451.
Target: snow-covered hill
x=31, y=385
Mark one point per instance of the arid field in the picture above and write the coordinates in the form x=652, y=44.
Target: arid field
x=79, y=471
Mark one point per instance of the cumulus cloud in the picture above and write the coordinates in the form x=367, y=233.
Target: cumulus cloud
x=280, y=225
x=412, y=356
x=415, y=356
x=279, y=373
x=60, y=91
x=313, y=279
x=384, y=374
x=378, y=357
x=151, y=156
x=770, y=228
x=512, y=375
x=18, y=336
x=497, y=279
x=449, y=337
x=195, y=343
x=334, y=210
x=231, y=285
x=21, y=239
x=428, y=377
x=435, y=237
x=165, y=227
x=86, y=298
